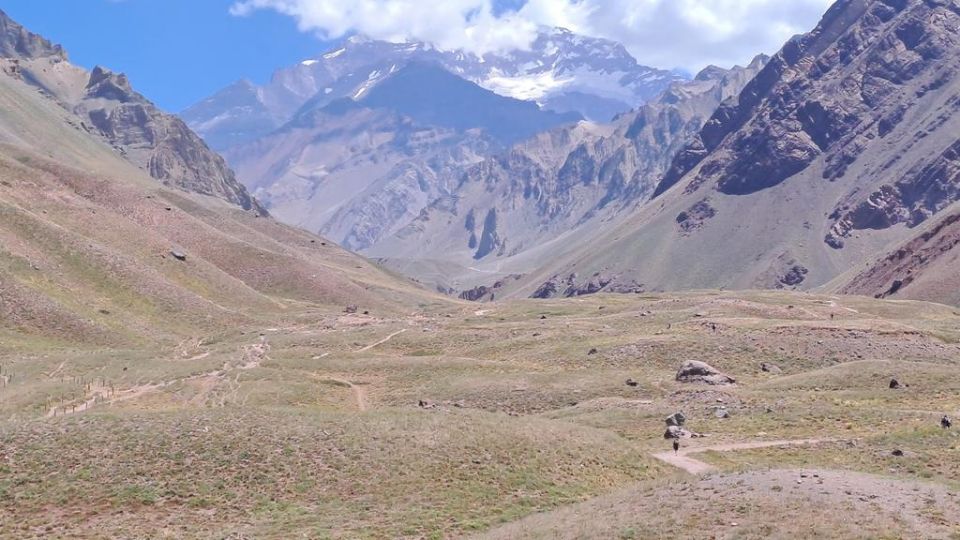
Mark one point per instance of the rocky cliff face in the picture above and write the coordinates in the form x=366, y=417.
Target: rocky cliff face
x=829, y=96
x=159, y=143
x=845, y=141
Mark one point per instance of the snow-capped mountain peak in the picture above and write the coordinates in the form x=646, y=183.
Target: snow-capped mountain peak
x=561, y=71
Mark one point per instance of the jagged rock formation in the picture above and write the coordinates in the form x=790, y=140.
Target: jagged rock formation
x=18, y=42
x=159, y=143
x=845, y=141
x=571, y=286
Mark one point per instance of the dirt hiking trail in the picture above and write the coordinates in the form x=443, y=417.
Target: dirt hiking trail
x=682, y=459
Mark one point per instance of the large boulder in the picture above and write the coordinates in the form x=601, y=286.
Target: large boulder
x=694, y=371
x=677, y=419
x=673, y=432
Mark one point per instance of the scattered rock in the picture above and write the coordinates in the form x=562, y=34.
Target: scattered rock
x=694, y=371
x=592, y=352
x=426, y=404
x=632, y=383
x=767, y=367
x=895, y=384
x=178, y=255
x=945, y=422
x=721, y=412
x=677, y=432
x=351, y=309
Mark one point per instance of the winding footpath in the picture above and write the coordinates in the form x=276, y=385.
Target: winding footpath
x=682, y=459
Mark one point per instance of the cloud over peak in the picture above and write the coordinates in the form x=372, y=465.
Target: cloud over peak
x=664, y=33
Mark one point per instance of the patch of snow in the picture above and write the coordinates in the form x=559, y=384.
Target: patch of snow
x=327, y=90
x=334, y=54
x=526, y=87
x=309, y=62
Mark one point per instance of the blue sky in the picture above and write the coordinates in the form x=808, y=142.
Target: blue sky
x=176, y=52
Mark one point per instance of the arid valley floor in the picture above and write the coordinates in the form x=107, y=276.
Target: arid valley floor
x=504, y=420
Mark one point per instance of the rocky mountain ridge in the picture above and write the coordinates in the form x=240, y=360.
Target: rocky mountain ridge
x=107, y=106
x=828, y=158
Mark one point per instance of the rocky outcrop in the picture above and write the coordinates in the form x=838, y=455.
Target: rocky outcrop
x=18, y=42
x=490, y=240
x=694, y=217
x=484, y=293
x=694, y=371
x=160, y=143
x=572, y=286
x=912, y=199
x=794, y=276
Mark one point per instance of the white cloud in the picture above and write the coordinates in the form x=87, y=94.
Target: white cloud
x=449, y=24
x=664, y=33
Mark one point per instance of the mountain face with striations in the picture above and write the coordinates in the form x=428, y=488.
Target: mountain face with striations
x=842, y=149
x=106, y=105
x=358, y=169
x=517, y=210
x=562, y=71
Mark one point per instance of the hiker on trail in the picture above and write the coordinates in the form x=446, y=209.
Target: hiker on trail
x=676, y=446
x=945, y=422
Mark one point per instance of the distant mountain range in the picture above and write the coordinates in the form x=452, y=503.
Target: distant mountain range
x=358, y=142
x=562, y=72
x=834, y=165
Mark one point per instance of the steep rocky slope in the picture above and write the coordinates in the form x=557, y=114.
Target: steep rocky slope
x=161, y=144
x=515, y=211
x=95, y=251
x=563, y=71
x=355, y=173
x=927, y=267
x=833, y=153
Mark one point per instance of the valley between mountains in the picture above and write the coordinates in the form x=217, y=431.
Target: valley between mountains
x=406, y=292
